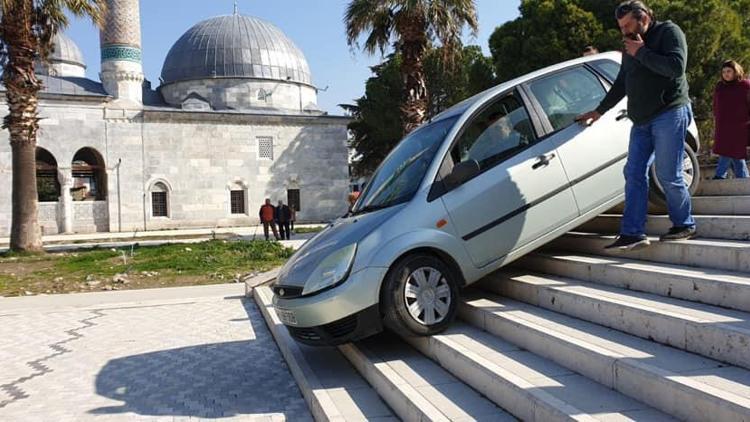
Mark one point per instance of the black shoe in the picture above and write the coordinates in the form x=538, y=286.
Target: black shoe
x=629, y=243
x=679, y=233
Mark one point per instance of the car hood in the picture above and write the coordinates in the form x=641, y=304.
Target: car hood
x=340, y=233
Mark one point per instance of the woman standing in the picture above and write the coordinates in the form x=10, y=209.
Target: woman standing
x=732, y=118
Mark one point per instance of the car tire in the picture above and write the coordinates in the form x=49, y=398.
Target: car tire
x=691, y=170
x=417, y=282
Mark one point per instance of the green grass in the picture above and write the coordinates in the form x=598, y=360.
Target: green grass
x=302, y=230
x=177, y=264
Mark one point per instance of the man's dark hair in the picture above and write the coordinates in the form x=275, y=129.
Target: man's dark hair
x=589, y=48
x=636, y=7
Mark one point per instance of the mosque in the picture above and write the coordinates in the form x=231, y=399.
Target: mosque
x=233, y=120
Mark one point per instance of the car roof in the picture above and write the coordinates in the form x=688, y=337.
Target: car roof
x=466, y=104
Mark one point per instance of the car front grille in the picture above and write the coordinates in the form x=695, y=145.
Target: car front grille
x=342, y=327
x=305, y=334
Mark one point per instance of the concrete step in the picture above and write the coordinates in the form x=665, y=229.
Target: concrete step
x=681, y=384
x=712, y=287
x=708, y=172
x=711, y=227
x=332, y=388
x=416, y=388
x=721, y=205
x=530, y=387
x=709, y=331
x=730, y=255
x=729, y=187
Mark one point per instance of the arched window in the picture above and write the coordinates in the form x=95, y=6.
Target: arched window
x=262, y=95
x=89, y=176
x=47, y=184
x=159, y=200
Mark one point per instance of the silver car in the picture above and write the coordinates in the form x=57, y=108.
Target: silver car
x=480, y=185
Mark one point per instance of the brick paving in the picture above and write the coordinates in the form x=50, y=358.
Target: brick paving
x=207, y=358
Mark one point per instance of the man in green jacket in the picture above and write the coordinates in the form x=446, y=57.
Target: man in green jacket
x=653, y=77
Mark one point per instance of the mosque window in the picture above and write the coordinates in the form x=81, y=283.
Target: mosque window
x=262, y=95
x=89, y=176
x=265, y=147
x=237, y=198
x=47, y=185
x=159, y=200
x=293, y=199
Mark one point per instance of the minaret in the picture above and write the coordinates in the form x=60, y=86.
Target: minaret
x=122, y=68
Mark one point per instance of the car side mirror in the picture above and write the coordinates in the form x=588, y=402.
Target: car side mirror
x=462, y=172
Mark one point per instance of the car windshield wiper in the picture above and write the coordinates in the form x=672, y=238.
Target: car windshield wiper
x=370, y=208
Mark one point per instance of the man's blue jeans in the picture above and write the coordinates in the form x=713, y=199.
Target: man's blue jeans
x=739, y=168
x=661, y=141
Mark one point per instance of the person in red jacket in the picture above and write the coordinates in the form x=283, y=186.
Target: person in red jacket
x=266, y=214
x=732, y=120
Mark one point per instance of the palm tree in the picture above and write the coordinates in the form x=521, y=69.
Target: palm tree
x=27, y=28
x=413, y=25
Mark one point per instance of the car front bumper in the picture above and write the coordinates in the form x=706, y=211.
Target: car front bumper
x=342, y=314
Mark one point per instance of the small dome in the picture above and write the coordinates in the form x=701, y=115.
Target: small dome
x=66, y=51
x=235, y=46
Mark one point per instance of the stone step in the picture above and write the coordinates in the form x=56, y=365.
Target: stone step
x=530, y=387
x=332, y=388
x=678, y=383
x=721, y=205
x=709, y=331
x=708, y=171
x=729, y=187
x=711, y=227
x=712, y=287
x=730, y=255
x=416, y=388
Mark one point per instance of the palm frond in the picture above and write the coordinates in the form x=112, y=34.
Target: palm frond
x=371, y=17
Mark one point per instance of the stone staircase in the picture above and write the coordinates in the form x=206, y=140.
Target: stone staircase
x=569, y=332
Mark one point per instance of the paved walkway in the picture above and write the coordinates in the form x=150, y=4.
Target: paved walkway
x=188, y=353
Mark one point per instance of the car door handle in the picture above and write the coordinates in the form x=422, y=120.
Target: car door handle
x=543, y=160
x=623, y=114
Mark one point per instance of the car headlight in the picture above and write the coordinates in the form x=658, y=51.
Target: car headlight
x=331, y=270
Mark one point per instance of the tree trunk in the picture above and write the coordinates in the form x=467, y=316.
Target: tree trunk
x=22, y=88
x=415, y=100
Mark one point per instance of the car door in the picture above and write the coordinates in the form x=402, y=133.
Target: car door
x=593, y=156
x=521, y=191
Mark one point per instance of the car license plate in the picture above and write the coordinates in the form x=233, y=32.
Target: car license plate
x=286, y=317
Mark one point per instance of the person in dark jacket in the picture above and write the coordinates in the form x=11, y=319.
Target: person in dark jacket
x=267, y=215
x=732, y=121
x=653, y=77
x=284, y=219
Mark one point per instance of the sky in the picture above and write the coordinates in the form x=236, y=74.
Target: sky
x=315, y=26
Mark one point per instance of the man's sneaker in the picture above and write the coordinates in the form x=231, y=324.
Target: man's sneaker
x=629, y=243
x=679, y=233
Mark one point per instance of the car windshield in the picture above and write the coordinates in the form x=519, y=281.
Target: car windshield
x=399, y=176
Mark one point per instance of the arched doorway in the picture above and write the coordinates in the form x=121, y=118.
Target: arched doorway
x=89, y=176
x=47, y=183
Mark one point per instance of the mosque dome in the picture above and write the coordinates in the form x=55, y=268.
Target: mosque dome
x=235, y=46
x=65, y=59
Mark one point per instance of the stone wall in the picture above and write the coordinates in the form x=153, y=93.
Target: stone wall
x=243, y=94
x=198, y=156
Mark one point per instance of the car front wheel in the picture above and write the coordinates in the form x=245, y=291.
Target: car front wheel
x=420, y=296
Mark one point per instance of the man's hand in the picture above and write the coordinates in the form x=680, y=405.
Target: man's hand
x=632, y=46
x=589, y=118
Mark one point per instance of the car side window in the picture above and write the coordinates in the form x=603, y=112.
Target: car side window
x=496, y=133
x=608, y=68
x=567, y=94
